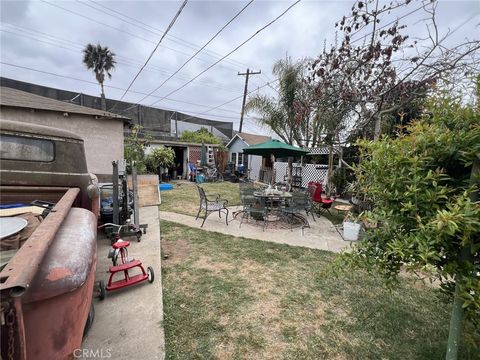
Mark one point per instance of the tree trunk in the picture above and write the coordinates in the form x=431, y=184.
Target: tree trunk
x=274, y=175
x=103, y=101
x=290, y=170
x=330, y=171
x=378, y=127
x=456, y=320
x=159, y=171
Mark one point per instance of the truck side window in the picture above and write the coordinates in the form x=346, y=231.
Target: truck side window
x=26, y=148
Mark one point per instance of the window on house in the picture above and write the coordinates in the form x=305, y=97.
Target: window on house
x=239, y=159
x=234, y=158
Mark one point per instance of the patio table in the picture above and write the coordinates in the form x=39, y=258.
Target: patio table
x=274, y=202
x=280, y=196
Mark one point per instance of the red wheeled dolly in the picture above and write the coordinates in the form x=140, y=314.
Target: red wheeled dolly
x=120, y=248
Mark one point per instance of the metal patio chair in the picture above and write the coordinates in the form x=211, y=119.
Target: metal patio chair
x=253, y=207
x=296, y=205
x=210, y=206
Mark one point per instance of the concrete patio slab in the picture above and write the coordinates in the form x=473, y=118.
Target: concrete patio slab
x=129, y=322
x=321, y=234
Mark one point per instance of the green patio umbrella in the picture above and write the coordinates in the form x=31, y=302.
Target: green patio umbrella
x=275, y=149
x=203, y=156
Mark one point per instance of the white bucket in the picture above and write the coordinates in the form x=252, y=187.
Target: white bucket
x=351, y=231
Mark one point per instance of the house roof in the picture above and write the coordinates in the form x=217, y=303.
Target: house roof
x=250, y=139
x=178, y=143
x=17, y=98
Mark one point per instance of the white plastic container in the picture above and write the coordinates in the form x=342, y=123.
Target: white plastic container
x=351, y=230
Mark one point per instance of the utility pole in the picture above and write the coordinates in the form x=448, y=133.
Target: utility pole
x=247, y=74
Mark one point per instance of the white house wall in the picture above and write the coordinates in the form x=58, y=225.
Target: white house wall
x=254, y=164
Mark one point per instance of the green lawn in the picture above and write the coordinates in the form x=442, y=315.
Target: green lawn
x=184, y=198
x=236, y=298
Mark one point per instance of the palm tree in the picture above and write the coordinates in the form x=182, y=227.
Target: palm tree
x=284, y=114
x=102, y=61
x=287, y=114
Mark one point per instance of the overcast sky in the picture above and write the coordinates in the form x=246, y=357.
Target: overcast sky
x=49, y=36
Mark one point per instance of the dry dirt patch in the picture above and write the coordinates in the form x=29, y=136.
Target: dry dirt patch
x=174, y=252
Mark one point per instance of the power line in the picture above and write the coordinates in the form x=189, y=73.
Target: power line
x=179, y=11
x=231, y=52
x=75, y=47
x=364, y=36
x=388, y=24
x=157, y=32
x=96, y=21
x=198, y=51
x=193, y=112
x=107, y=86
x=118, y=29
x=137, y=92
x=179, y=40
x=230, y=101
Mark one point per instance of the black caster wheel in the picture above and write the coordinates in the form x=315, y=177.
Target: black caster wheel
x=139, y=236
x=102, y=290
x=151, y=274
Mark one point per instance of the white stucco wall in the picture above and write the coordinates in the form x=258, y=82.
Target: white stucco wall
x=103, y=137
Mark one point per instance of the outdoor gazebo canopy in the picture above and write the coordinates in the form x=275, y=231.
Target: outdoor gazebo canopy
x=275, y=148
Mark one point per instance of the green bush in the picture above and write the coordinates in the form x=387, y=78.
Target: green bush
x=134, y=148
x=160, y=157
x=199, y=136
x=341, y=178
x=423, y=192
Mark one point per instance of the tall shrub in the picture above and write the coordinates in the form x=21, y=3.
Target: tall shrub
x=134, y=148
x=424, y=186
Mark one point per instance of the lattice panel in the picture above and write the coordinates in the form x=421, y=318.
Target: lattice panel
x=310, y=172
x=195, y=154
x=322, y=150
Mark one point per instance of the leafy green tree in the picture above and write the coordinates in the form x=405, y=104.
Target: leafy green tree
x=134, y=148
x=101, y=61
x=199, y=136
x=424, y=185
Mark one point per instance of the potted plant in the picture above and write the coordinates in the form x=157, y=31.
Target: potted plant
x=159, y=159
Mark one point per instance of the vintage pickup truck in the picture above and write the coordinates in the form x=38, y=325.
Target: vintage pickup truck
x=48, y=273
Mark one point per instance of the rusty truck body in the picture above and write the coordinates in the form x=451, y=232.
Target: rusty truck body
x=47, y=284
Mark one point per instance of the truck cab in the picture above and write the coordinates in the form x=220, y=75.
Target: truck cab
x=48, y=268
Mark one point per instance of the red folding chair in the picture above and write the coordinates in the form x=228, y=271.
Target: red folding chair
x=323, y=204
